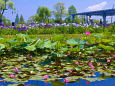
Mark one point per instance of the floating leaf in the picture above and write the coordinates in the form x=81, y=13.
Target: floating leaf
x=2, y=46
x=31, y=48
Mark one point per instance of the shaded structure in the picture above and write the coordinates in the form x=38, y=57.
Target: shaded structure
x=103, y=13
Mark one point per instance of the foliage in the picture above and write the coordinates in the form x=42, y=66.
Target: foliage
x=72, y=10
x=21, y=21
x=4, y=5
x=43, y=13
x=48, y=29
x=17, y=19
x=60, y=11
x=57, y=56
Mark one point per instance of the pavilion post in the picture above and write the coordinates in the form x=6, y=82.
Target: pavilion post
x=73, y=16
x=84, y=19
x=104, y=20
x=87, y=20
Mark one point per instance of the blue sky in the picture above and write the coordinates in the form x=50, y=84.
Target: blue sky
x=29, y=7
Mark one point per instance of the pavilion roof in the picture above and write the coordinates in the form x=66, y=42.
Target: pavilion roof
x=107, y=12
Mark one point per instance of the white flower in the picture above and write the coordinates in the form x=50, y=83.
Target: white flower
x=31, y=72
x=79, y=52
x=91, y=48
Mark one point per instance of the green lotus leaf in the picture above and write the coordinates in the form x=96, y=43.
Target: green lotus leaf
x=12, y=41
x=64, y=49
x=76, y=49
x=44, y=57
x=91, y=79
x=30, y=48
x=2, y=46
x=58, y=83
x=112, y=43
x=73, y=41
x=81, y=46
x=1, y=38
x=106, y=40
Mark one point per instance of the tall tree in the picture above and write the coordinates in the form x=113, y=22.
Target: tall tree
x=21, y=20
x=72, y=10
x=43, y=13
x=5, y=5
x=6, y=22
x=60, y=11
x=17, y=19
x=36, y=18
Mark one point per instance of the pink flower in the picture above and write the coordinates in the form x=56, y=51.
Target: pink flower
x=48, y=68
x=66, y=80
x=55, y=72
x=87, y=82
x=16, y=69
x=28, y=85
x=44, y=70
x=92, y=67
x=108, y=60
x=46, y=81
x=87, y=33
x=12, y=75
x=27, y=56
x=46, y=77
x=70, y=71
x=31, y=57
x=4, y=81
x=113, y=55
x=87, y=43
x=77, y=63
x=90, y=63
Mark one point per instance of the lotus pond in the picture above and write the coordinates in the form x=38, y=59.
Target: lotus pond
x=59, y=60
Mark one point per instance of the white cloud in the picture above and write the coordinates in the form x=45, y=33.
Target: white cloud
x=97, y=6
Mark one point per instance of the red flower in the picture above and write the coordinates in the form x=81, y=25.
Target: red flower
x=87, y=82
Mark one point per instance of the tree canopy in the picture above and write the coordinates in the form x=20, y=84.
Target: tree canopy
x=17, y=19
x=21, y=20
x=59, y=11
x=72, y=10
x=5, y=5
x=43, y=13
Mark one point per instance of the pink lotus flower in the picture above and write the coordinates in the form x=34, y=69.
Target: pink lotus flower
x=27, y=55
x=12, y=75
x=56, y=72
x=66, y=80
x=48, y=68
x=87, y=33
x=31, y=57
x=70, y=71
x=28, y=85
x=87, y=82
x=113, y=55
x=16, y=69
x=46, y=77
x=4, y=81
x=87, y=43
x=92, y=67
x=90, y=63
x=108, y=60
x=46, y=81
x=77, y=63
x=44, y=70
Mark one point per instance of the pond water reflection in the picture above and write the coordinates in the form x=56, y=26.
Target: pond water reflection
x=80, y=82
